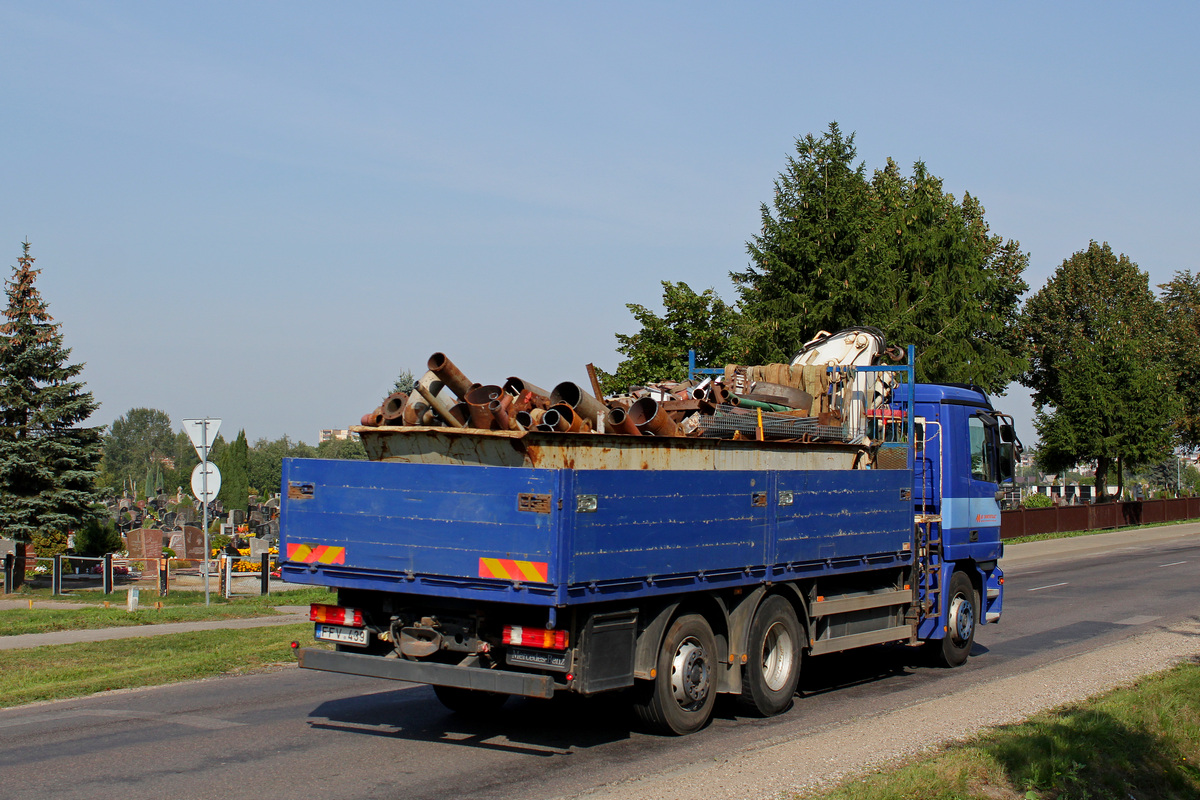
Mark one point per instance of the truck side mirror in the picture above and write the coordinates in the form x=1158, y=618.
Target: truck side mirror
x=1008, y=463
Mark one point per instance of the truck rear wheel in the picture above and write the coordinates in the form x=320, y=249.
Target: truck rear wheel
x=955, y=646
x=469, y=702
x=680, y=698
x=772, y=670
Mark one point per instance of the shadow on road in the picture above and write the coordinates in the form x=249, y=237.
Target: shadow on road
x=522, y=725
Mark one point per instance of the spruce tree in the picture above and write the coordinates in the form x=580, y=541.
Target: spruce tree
x=234, y=463
x=48, y=461
x=895, y=252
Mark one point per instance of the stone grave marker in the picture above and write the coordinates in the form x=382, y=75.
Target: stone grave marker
x=193, y=542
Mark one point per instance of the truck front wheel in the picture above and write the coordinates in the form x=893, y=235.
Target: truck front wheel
x=955, y=646
x=772, y=670
x=680, y=698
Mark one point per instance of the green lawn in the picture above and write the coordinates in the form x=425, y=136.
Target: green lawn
x=72, y=670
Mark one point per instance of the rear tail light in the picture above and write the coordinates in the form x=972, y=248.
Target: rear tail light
x=335, y=615
x=543, y=638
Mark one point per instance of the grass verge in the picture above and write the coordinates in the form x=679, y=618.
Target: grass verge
x=1137, y=742
x=176, y=607
x=74, y=670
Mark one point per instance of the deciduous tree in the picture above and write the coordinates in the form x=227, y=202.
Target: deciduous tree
x=1181, y=302
x=659, y=351
x=134, y=444
x=1101, y=379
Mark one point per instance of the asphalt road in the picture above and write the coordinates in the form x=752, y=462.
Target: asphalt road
x=315, y=735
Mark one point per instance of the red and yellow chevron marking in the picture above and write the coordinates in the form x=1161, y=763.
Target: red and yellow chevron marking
x=315, y=554
x=532, y=571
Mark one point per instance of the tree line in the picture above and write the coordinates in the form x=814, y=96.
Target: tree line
x=1112, y=366
x=144, y=454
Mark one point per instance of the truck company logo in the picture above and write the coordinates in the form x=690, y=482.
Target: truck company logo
x=507, y=569
x=985, y=517
x=315, y=554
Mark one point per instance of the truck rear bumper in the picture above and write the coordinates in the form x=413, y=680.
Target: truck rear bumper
x=485, y=680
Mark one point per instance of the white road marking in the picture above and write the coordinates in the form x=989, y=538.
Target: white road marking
x=1173, y=564
x=1141, y=619
x=1051, y=586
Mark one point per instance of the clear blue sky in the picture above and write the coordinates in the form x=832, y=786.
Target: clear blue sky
x=265, y=211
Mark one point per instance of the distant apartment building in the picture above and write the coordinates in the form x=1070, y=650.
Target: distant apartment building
x=329, y=434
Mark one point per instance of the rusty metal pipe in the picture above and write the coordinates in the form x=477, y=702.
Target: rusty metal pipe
x=393, y=408
x=414, y=410
x=450, y=375
x=575, y=422
x=617, y=421
x=461, y=412
x=651, y=419
x=499, y=410
x=583, y=403
x=438, y=407
x=514, y=386
x=561, y=418
x=374, y=418
x=479, y=399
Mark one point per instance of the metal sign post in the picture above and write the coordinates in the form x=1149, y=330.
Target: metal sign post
x=202, y=432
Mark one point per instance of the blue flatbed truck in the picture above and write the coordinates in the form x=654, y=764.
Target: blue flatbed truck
x=491, y=564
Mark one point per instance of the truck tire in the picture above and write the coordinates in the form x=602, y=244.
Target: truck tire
x=469, y=702
x=772, y=669
x=680, y=698
x=961, y=614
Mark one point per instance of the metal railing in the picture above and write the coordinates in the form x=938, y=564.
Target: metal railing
x=222, y=566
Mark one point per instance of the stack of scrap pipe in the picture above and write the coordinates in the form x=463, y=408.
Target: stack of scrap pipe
x=774, y=402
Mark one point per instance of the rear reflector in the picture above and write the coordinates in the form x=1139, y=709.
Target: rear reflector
x=544, y=638
x=335, y=615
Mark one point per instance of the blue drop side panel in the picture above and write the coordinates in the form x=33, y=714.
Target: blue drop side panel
x=663, y=522
x=843, y=514
x=432, y=519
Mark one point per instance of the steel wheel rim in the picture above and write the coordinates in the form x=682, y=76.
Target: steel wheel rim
x=690, y=674
x=962, y=619
x=777, y=657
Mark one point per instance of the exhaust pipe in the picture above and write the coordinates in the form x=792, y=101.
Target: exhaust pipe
x=650, y=419
x=583, y=403
x=450, y=375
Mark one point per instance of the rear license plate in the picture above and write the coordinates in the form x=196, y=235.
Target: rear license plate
x=337, y=633
x=546, y=659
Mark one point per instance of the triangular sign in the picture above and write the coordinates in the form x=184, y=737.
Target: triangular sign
x=202, y=432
